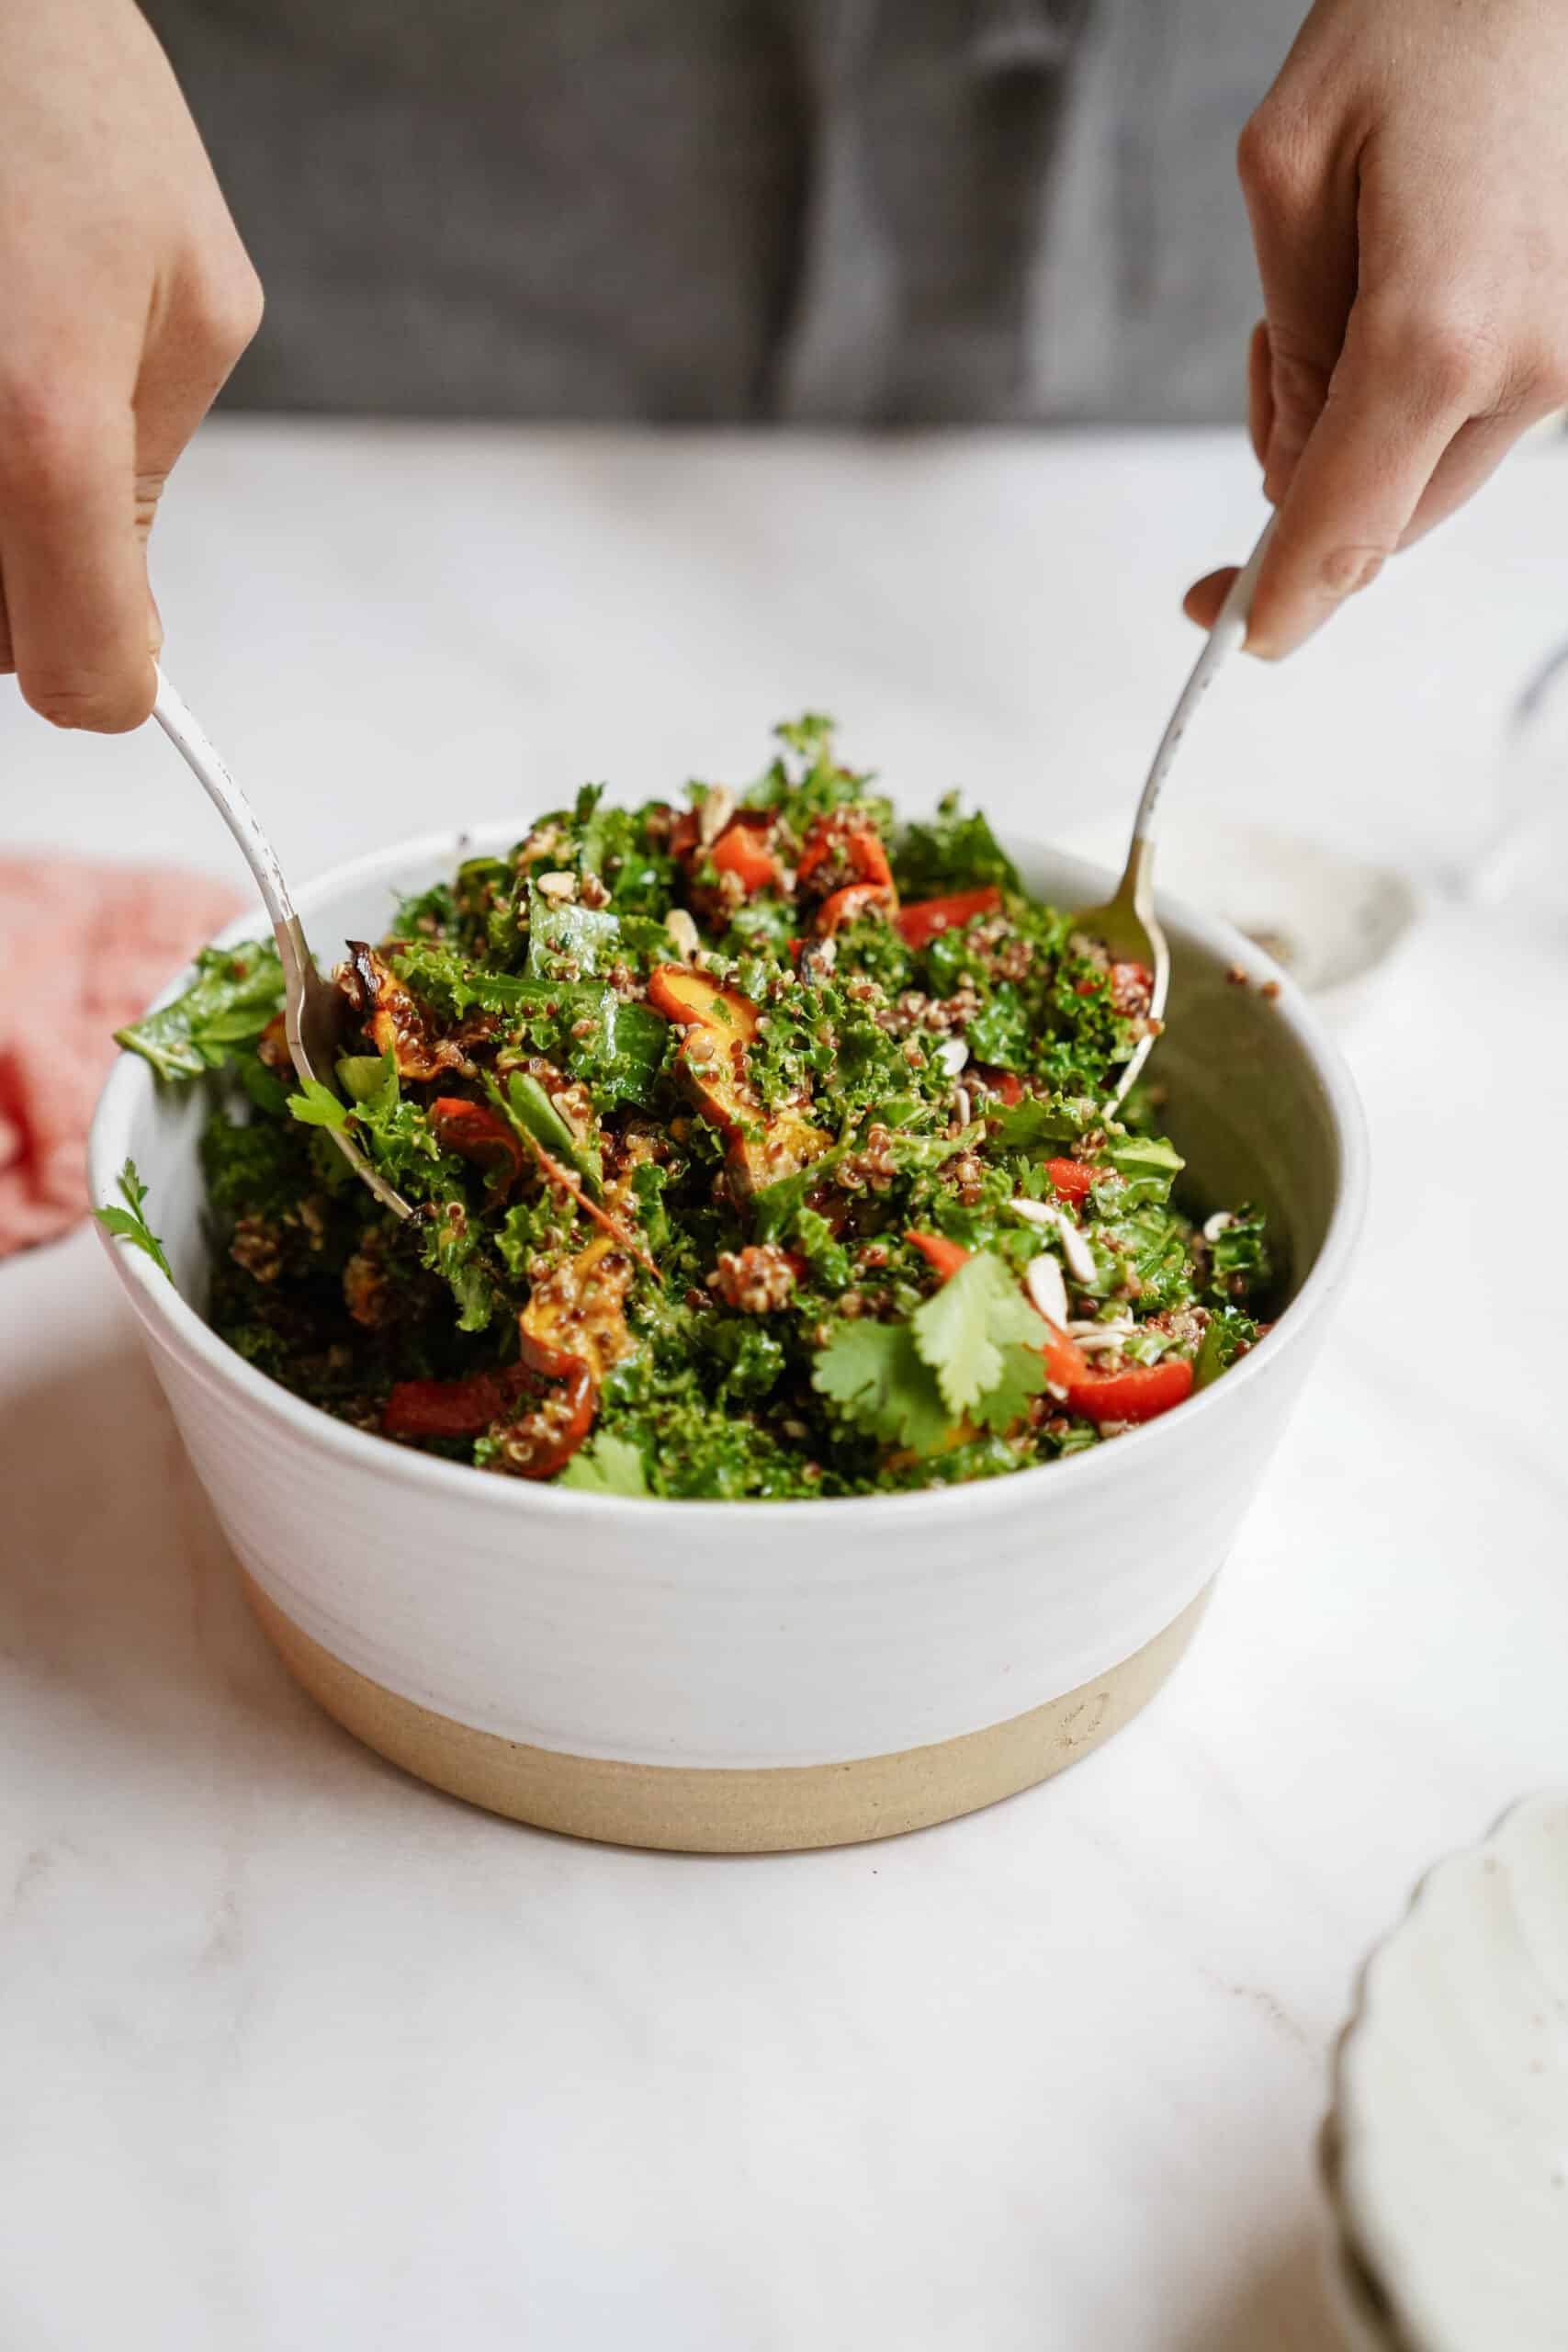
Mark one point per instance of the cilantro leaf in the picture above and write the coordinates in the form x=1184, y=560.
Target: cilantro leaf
x=235, y=993
x=609, y=1465
x=961, y=1332
x=129, y=1223
x=1024, y=1377
x=874, y=1370
x=317, y=1106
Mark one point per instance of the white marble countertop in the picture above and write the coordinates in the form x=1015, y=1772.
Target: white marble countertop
x=293, y=2053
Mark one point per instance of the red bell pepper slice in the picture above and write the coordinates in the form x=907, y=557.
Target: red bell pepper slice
x=944, y=1256
x=927, y=918
x=1071, y=1177
x=1139, y=1392
x=480, y=1135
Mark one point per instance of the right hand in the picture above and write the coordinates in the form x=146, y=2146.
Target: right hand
x=127, y=297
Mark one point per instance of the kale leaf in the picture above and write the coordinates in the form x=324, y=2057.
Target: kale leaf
x=237, y=990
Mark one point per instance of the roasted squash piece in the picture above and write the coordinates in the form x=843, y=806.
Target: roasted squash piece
x=720, y=1025
x=576, y=1319
x=395, y=1021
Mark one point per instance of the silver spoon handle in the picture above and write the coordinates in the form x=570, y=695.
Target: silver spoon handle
x=200, y=754
x=1230, y=628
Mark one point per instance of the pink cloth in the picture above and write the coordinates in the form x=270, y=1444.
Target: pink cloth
x=84, y=949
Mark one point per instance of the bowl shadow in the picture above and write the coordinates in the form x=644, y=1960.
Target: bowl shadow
x=1279, y=2304
x=120, y=1610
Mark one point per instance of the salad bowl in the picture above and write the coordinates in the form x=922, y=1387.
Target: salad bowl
x=756, y=1676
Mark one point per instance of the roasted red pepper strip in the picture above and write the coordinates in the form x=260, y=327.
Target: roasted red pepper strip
x=742, y=849
x=927, y=918
x=480, y=1135
x=1004, y=1082
x=451, y=1408
x=543, y=1440
x=861, y=848
x=856, y=899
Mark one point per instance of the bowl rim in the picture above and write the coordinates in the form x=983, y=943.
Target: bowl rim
x=163, y=1306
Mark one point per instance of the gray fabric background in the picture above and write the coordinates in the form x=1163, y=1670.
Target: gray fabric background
x=838, y=210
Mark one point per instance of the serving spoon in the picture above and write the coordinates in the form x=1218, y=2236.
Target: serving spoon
x=312, y=1009
x=1127, y=924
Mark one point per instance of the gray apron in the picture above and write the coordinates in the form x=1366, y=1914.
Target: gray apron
x=833, y=210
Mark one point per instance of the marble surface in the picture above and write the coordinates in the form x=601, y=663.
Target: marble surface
x=293, y=2053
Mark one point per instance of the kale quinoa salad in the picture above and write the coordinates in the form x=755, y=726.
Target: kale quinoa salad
x=759, y=1147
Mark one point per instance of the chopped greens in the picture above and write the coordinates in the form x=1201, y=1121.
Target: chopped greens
x=759, y=1147
x=129, y=1223
x=235, y=994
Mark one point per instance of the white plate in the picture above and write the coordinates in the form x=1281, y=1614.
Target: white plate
x=1452, y=2099
x=1332, y=922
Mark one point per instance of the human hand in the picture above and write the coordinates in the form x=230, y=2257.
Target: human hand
x=1407, y=181
x=127, y=297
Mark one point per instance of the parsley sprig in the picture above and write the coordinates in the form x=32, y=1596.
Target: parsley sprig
x=129, y=1223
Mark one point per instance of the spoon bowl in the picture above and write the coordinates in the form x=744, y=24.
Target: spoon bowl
x=1127, y=924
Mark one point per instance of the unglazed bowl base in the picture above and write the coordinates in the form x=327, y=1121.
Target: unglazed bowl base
x=776, y=1810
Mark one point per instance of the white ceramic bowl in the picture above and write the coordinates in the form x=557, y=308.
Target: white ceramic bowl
x=749, y=1675
x=1448, y=2145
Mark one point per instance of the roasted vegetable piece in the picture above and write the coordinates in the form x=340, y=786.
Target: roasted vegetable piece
x=720, y=1025
x=682, y=994
x=745, y=850
x=920, y=923
x=452, y=1408
x=479, y=1134
x=851, y=856
x=576, y=1318
x=395, y=1021
x=543, y=1440
x=272, y=1048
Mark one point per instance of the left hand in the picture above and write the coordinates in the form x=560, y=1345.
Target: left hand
x=1407, y=181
